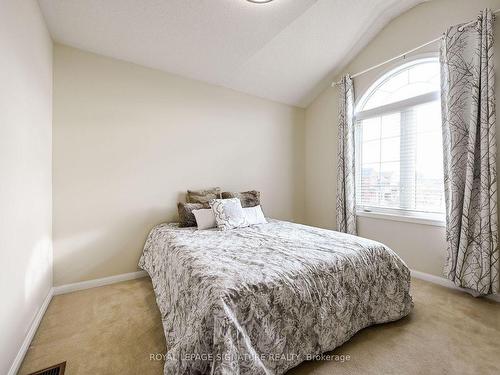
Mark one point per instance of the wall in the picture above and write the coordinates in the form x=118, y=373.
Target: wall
x=421, y=246
x=25, y=171
x=128, y=141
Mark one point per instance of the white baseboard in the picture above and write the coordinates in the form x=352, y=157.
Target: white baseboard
x=62, y=289
x=445, y=282
x=68, y=288
x=31, y=333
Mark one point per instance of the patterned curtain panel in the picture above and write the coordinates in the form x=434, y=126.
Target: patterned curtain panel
x=346, y=210
x=468, y=110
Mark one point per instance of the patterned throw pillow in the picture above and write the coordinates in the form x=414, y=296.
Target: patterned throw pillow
x=248, y=198
x=186, y=216
x=229, y=213
x=203, y=196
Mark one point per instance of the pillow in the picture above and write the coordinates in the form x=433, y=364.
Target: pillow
x=254, y=215
x=205, y=218
x=203, y=196
x=186, y=217
x=228, y=213
x=248, y=198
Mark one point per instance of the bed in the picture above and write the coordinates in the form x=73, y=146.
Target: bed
x=262, y=299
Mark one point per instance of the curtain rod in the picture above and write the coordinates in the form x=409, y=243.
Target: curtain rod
x=405, y=53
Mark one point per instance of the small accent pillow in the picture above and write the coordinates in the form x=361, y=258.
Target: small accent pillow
x=203, y=196
x=205, y=218
x=254, y=215
x=228, y=213
x=248, y=198
x=186, y=217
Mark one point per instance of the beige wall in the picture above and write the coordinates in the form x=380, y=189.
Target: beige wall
x=25, y=171
x=421, y=246
x=128, y=141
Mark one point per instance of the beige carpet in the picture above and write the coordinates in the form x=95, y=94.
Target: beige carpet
x=114, y=329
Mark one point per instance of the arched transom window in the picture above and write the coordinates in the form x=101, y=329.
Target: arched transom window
x=399, y=168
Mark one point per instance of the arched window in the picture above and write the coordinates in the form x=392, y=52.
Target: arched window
x=399, y=168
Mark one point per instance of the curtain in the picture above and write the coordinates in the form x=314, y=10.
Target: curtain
x=346, y=210
x=468, y=111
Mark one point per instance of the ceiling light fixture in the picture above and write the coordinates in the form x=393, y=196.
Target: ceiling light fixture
x=259, y=1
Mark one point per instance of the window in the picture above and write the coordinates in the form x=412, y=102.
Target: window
x=399, y=167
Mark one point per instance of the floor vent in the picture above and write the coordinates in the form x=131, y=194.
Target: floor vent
x=53, y=370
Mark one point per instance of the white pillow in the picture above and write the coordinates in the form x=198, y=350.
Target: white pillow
x=254, y=215
x=205, y=218
x=228, y=213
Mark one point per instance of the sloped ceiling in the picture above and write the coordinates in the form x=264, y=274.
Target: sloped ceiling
x=281, y=50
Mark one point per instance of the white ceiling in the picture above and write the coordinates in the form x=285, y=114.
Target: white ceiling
x=281, y=50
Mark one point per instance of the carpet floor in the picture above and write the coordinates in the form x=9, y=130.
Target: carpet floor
x=115, y=329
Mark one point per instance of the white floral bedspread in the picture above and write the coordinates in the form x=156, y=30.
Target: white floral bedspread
x=262, y=299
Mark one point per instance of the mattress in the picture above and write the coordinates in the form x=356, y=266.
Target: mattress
x=262, y=299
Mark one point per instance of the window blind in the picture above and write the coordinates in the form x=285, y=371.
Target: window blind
x=399, y=162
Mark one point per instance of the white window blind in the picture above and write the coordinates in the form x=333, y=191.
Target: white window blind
x=398, y=154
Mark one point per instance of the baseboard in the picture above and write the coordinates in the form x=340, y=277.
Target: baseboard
x=445, y=282
x=31, y=333
x=68, y=288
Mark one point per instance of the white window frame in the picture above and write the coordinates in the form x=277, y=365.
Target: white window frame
x=397, y=214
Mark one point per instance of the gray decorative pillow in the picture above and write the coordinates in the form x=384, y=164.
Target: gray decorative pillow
x=203, y=196
x=186, y=216
x=228, y=213
x=248, y=198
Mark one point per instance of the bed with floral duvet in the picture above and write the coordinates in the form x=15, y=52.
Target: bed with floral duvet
x=262, y=299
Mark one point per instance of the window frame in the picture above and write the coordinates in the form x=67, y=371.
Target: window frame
x=397, y=214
